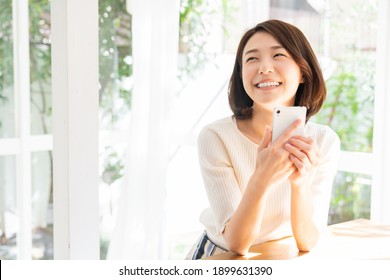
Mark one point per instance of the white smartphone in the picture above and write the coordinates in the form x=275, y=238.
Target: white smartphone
x=283, y=117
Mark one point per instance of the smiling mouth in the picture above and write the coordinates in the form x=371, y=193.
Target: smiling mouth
x=268, y=84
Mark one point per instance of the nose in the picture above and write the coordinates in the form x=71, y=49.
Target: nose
x=265, y=66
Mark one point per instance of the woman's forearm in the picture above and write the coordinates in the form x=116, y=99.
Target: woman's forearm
x=243, y=227
x=304, y=229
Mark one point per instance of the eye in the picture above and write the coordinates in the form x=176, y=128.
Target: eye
x=250, y=59
x=279, y=54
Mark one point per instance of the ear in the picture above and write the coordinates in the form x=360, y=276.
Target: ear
x=302, y=80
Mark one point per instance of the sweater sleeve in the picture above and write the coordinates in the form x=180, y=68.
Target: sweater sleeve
x=324, y=176
x=219, y=177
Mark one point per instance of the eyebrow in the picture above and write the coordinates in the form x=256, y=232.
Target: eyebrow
x=257, y=50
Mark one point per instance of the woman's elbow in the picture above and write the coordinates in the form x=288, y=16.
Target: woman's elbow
x=303, y=248
x=236, y=242
x=238, y=251
x=237, y=248
x=306, y=246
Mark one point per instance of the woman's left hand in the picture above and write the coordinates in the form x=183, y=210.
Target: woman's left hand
x=304, y=154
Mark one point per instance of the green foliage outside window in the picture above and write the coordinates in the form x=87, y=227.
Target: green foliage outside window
x=348, y=109
x=115, y=70
x=197, y=18
x=115, y=62
x=6, y=58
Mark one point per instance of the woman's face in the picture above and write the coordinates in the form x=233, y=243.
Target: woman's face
x=270, y=75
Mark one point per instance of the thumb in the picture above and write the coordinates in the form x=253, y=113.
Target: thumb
x=266, y=138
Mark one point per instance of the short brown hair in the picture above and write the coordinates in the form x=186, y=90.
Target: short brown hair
x=311, y=93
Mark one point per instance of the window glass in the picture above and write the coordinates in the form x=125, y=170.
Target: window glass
x=7, y=111
x=351, y=197
x=42, y=205
x=350, y=71
x=8, y=211
x=115, y=88
x=115, y=64
x=40, y=66
x=115, y=85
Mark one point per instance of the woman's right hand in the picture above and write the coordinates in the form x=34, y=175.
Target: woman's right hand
x=273, y=164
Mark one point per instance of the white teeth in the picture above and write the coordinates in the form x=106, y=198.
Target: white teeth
x=268, y=84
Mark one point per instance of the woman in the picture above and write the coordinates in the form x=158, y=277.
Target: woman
x=258, y=190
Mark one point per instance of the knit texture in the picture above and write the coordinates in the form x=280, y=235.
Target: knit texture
x=227, y=161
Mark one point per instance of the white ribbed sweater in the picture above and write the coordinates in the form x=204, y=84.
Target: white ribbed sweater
x=227, y=160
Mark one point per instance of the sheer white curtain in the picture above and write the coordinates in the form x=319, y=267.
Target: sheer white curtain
x=140, y=230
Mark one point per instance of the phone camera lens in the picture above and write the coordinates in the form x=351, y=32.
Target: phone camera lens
x=278, y=111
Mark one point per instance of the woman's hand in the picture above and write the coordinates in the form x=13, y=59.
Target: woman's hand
x=273, y=160
x=304, y=155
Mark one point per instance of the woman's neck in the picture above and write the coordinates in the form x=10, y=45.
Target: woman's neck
x=254, y=127
x=261, y=118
